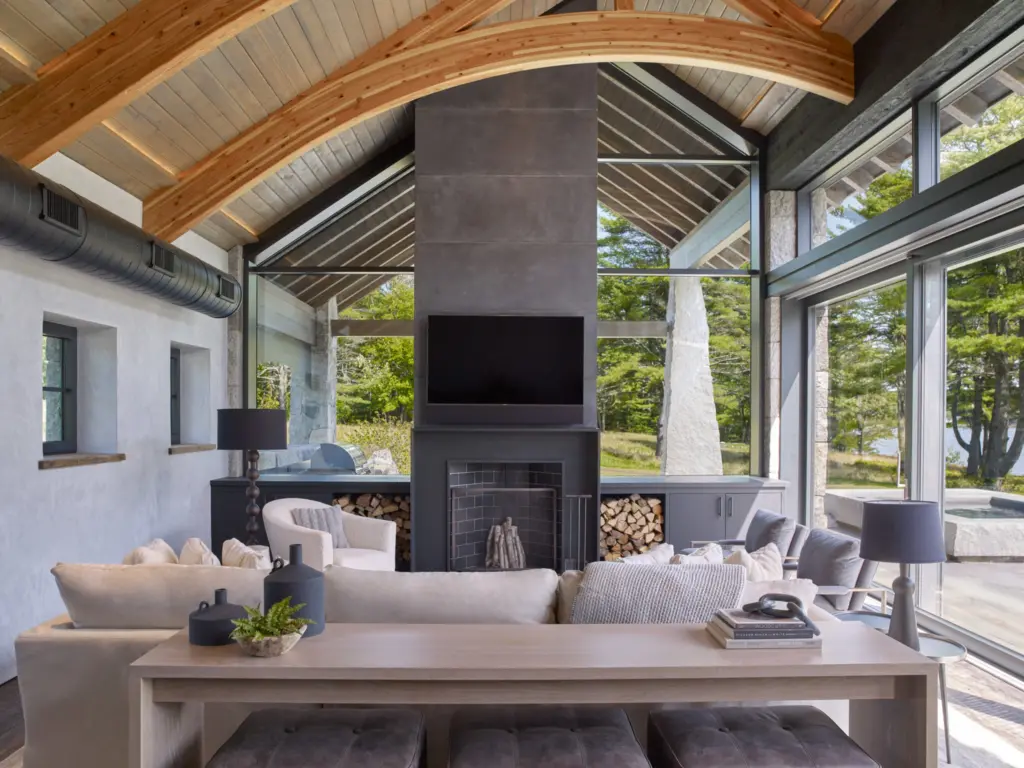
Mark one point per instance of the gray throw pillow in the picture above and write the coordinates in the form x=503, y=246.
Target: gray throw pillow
x=326, y=519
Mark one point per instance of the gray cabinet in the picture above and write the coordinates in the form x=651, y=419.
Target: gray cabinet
x=704, y=508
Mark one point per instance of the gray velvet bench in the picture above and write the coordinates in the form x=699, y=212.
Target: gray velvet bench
x=326, y=738
x=741, y=737
x=543, y=737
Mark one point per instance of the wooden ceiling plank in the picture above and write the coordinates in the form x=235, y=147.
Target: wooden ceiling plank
x=111, y=67
x=14, y=70
x=378, y=81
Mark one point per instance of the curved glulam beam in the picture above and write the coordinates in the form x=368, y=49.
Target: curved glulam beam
x=347, y=97
x=92, y=80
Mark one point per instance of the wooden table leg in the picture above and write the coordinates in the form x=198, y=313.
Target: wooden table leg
x=900, y=732
x=162, y=735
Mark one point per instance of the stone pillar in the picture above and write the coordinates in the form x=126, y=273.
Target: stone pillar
x=781, y=246
x=819, y=217
x=313, y=417
x=691, y=442
x=236, y=324
x=820, y=426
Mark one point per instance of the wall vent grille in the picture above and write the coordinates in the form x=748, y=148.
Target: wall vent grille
x=163, y=260
x=227, y=290
x=61, y=212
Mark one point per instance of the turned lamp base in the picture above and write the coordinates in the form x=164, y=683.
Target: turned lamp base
x=252, y=493
x=903, y=623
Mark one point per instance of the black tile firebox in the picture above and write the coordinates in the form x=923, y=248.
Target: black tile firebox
x=482, y=495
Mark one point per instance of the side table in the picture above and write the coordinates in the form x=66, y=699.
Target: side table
x=934, y=647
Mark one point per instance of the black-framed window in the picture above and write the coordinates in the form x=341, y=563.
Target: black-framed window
x=60, y=380
x=175, y=396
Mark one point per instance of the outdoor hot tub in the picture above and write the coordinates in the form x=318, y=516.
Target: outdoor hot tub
x=980, y=525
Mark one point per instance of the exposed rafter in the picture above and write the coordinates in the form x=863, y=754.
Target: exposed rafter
x=120, y=61
x=370, y=86
x=782, y=14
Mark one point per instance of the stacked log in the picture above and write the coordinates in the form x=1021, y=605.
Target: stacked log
x=385, y=506
x=630, y=525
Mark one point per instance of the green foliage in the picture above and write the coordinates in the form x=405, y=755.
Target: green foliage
x=1001, y=125
x=279, y=620
x=373, y=436
x=375, y=375
x=273, y=386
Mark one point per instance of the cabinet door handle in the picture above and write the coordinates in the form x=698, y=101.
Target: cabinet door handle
x=728, y=506
x=718, y=510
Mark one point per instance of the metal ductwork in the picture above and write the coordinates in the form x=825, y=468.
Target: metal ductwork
x=54, y=224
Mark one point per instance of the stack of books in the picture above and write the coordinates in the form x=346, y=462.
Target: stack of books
x=737, y=629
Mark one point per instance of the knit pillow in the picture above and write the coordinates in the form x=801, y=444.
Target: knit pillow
x=157, y=552
x=326, y=519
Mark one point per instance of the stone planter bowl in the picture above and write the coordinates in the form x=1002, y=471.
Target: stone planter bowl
x=269, y=647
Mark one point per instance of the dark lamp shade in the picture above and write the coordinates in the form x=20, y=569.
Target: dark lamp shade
x=902, y=532
x=248, y=429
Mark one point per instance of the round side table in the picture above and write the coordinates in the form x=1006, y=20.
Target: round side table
x=934, y=647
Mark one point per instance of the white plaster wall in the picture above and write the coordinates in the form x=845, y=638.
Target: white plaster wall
x=95, y=513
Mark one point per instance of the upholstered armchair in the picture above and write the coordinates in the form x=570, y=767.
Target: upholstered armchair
x=371, y=542
x=844, y=579
x=765, y=527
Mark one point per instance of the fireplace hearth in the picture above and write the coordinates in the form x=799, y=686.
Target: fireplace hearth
x=484, y=495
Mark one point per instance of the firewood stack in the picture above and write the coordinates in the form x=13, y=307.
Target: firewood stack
x=395, y=508
x=630, y=525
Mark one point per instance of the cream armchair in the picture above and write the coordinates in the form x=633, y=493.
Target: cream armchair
x=371, y=542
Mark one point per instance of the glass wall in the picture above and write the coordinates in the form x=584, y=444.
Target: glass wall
x=981, y=118
x=678, y=400
x=983, y=580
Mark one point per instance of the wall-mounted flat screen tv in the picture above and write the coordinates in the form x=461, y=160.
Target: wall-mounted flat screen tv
x=504, y=360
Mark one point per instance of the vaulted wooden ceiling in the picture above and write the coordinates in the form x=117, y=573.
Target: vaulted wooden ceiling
x=247, y=59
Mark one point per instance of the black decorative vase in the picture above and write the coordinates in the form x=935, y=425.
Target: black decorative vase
x=302, y=584
x=212, y=624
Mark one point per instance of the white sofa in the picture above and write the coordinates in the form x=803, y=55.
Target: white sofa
x=371, y=541
x=73, y=670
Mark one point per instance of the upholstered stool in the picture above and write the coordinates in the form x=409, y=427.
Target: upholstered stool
x=338, y=738
x=738, y=737
x=543, y=737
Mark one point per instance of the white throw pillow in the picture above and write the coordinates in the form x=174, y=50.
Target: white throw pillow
x=235, y=554
x=659, y=554
x=195, y=552
x=764, y=564
x=157, y=552
x=709, y=553
x=805, y=589
x=326, y=519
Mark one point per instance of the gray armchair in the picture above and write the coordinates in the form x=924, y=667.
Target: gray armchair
x=764, y=528
x=833, y=562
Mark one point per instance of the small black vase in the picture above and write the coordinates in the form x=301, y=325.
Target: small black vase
x=302, y=584
x=212, y=624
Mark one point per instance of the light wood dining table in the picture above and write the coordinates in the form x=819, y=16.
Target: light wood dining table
x=892, y=689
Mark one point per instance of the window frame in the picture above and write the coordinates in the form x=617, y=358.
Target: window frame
x=69, y=389
x=175, y=399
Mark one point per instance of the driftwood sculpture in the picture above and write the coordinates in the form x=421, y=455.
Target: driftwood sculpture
x=504, y=548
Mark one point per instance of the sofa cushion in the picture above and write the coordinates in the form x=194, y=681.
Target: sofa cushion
x=543, y=737
x=659, y=554
x=157, y=552
x=764, y=564
x=769, y=527
x=327, y=738
x=327, y=519
x=568, y=586
x=658, y=594
x=364, y=559
x=154, y=597
x=830, y=559
x=196, y=552
x=709, y=553
x=428, y=597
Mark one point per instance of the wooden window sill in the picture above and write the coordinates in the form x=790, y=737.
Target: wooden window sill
x=174, y=450
x=62, y=460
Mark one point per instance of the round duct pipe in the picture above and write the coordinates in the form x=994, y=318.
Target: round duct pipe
x=52, y=223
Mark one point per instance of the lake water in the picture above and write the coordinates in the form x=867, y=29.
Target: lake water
x=887, y=447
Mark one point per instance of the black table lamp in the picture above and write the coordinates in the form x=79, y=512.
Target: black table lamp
x=903, y=532
x=252, y=430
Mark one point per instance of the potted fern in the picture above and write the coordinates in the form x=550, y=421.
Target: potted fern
x=272, y=633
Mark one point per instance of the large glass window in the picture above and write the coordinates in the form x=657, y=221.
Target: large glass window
x=878, y=177
x=676, y=401
x=981, y=118
x=983, y=579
